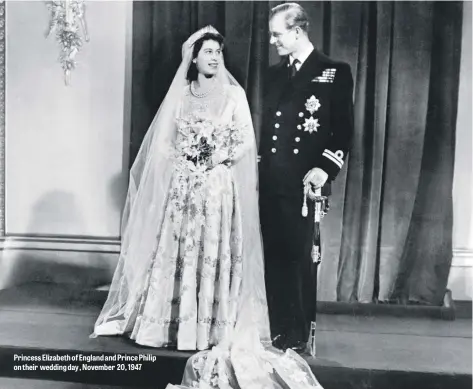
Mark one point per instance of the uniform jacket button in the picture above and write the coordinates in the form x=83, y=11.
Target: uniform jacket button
x=275, y=137
x=277, y=125
x=278, y=113
x=296, y=151
x=299, y=127
x=298, y=139
x=273, y=150
x=301, y=114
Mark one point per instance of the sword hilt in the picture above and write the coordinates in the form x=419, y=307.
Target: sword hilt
x=321, y=203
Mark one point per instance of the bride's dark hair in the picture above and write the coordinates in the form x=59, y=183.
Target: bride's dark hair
x=192, y=73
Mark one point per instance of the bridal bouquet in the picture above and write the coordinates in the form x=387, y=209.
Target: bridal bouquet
x=204, y=144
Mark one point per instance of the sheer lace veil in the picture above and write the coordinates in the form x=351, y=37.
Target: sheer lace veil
x=149, y=183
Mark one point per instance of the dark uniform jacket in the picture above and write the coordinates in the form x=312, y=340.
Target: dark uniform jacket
x=308, y=122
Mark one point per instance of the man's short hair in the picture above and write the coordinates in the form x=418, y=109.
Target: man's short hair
x=295, y=15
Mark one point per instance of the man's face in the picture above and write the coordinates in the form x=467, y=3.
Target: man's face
x=284, y=39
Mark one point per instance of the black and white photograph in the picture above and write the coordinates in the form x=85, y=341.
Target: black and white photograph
x=236, y=194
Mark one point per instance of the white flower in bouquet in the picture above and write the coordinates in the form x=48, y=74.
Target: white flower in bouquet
x=205, y=144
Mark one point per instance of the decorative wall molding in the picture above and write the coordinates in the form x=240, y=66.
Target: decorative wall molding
x=77, y=261
x=460, y=279
x=462, y=258
x=57, y=258
x=2, y=113
x=55, y=243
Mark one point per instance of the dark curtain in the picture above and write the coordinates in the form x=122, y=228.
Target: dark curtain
x=388, y=236
x=397, y=235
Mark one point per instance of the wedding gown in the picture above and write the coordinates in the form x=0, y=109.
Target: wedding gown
x=194, y=279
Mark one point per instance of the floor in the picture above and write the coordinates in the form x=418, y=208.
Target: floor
x=365, y=351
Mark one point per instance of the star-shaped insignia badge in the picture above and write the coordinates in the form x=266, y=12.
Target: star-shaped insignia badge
x=312, y=104
x=311, y=125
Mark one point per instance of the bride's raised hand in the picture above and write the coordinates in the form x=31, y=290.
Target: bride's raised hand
x=187, y=49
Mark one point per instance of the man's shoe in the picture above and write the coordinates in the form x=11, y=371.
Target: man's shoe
x=279, y=341
x=299, y=347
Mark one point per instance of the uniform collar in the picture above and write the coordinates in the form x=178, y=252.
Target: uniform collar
x=303, y=56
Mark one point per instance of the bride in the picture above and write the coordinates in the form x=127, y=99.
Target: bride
x=190, y=272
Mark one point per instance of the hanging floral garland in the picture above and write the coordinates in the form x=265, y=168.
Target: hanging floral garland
x=67, y=18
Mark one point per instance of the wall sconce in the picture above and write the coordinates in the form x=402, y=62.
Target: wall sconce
x=67, y=18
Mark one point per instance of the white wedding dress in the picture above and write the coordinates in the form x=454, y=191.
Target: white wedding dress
x=190, y=297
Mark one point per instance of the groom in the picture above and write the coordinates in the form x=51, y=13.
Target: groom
x=307, y=132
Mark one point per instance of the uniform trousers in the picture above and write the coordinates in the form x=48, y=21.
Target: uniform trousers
x=291, y=275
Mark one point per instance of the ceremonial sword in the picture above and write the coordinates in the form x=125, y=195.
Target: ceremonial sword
x=320, y=209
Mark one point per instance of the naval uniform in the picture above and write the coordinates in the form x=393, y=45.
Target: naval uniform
x=308, y=122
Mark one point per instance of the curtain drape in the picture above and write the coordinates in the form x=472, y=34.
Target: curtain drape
x=396, y=241
x=388, y=236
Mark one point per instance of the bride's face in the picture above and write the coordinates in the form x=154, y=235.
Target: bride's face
x=209, y=58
